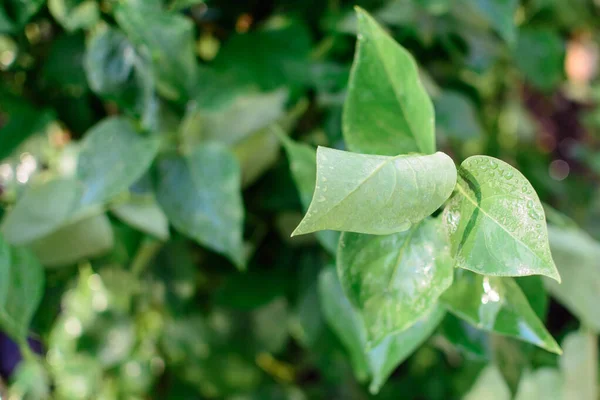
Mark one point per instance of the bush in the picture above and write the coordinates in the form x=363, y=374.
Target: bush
x=232, y=200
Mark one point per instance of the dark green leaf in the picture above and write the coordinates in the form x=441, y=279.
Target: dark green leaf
x=353, y=188
x=496, y=222
x=500, y=15
x=112, y=157
x=387, y=110
x=497, y=305
x=395, y=279
x=539, y=54
x=455, y=116
x=201, y=195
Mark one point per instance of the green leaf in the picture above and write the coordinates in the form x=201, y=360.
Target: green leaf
x=543, y=383
x=500, y=16
x=496, y=222
x=85, y=238
x=168, y=39
x=380, y=361
x=395, y=279
x=579, y=365
x=143, y=213
x=455, y=116
x=112, y=157
x=21, y=290
x=387, y=110
x=490, y=385
x=303, y=165
x=30, y=381
x=75, y=14
x=576, y=255
x=539, y=54
x=466, y=337
x=22, y=10
x=42, y=209
x=201, y=195
x=496, y=305
x=376, y=194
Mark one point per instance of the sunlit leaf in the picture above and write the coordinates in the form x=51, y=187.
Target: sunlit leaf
x=496, y=222
x=387, y=110
x=376, y=194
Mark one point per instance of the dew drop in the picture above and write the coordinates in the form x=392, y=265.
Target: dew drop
x=508, y=175
x=534, y=215
x=322, y=199
x=529, y=203
x=493, y=164
x=524, y=188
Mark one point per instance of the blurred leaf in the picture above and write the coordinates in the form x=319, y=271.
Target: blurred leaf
x=85, y=238
x=353, y=186
x=22, y=10
x=75, y=14
x=303, y=165
x=168, y=40
x=116, y=71
x=539, y=54
x=489, y=385
x=21, y=290
x=387, y=110
x=200, y=194
x=496, y=305
x=455, y=116
x=543, y=383
x=143, y=213
x=112, y=157
x=31, y=381
x=500, y=15
x=494, y=203
x=43, y=208
x=394, y=280
x=467, y=338
x=533, y=288
x=579, y=366
x=576, y=255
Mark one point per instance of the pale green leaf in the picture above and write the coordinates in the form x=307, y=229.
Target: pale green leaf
x=201, y=195
x=496, y=305
x=395, y=279
x=490, y=385
x=579, y=366
x=85, y=238
x=544, y=383
x=576, y=255
x=143, y=213
x=387, y=110
x=496, y=222
x=303, y=165
x=75, y=14
x=112, y=157
x=376, y=194
x=21, y=290
x=43, y=208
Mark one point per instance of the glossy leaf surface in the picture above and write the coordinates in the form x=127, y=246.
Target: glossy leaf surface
x=496, y=222
x=113, y=156
x=376, y=194
x=497, y=305
x=387, y=110
x=395, y=279
x=201, y=195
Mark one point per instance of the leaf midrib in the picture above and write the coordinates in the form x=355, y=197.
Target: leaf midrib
x=466, y=196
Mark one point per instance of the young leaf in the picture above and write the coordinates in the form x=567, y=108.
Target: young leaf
x=21, y=290
x=112, y=157
x=376, y=194
x=496, y=222
x=380, y=361
x=387, y=110
x=395, y=279
x=42, y=209
x=201, y=195
x=576, y=255
x=303, y=165
x=496, y=305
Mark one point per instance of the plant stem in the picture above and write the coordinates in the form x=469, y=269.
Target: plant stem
x=145, y=254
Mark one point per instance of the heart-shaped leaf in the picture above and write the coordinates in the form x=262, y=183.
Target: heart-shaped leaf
x=496, y=222
x=496, y=305
x=376, y=194
x=387, y=110
x=395, y=279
